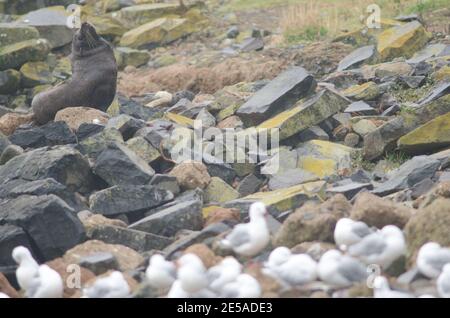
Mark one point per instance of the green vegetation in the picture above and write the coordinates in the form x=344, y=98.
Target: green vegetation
x=423, y=6
x=396, y=158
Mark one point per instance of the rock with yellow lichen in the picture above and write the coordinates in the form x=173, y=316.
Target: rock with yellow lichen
x=366, y=91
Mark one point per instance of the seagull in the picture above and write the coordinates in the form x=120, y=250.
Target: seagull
x=3, y=295
x=192, y=273
x=382, y=247
x=443, y=282
x=348, y=232
x=291, y=269
x=160, y=273
x=112, y=286
x=225, y=272
x=245, y=286
x=432, y=258
x=250, y=238
x=340, y=270
x=46, y=284
x=28, y=267
x=382, y=290
x=176, y=291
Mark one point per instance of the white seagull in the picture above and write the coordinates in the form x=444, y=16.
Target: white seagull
x=112, y=286
x=191, y=273
x=443, y=282
x=348, y=232
x=291, y=269
x=160, y=273
x=3, y=295
x=432, y=258
x=249, y=239
x=28, y=267
x=382, y=290
x=382, y=247
x=245, y=286
x=340, y=270
x=223, y=273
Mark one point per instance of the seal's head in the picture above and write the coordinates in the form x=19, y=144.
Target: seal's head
x=86, y=39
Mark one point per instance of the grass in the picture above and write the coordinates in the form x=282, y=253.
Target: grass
x=396, y=158
x=424, y=6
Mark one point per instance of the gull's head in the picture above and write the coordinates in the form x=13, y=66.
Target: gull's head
x=257, y=211
x=190, y=260
x=230, y=261
x=157, y=259
x=344, y=222
x=279, y=256
x=116, y=276
x=429, y=247
x=20, y=254
x=391, y=231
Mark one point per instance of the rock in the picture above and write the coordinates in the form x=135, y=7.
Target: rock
x=248, y=185
x=133, y=57
x=233, y=32
x=312, y=133
x=165, y=182
x=430, y=224
x=378, y=212
x=74, y=117
x=413, y=81
x=11, y=236
x=87, y=130
x=431, y=136
x=10, y=121
x=207, y=256
x=128, y=259
x=17, y=54
x=290, y=177
x=134, y=109
x=436, y=93
x=408, y=174
x=312, y=222
x=143, y=149
x=426, y=53
x=191, y=175
x=9, y=81
x=64, y=164
x=99, y=263
x=307, y=114
x=167, y=222
x=363, y=127
x=118, y=165
x=160, y=31
x=10, y=152
x=57, y=228
x=366, y=91
x=94, y=145
x=349, y=189
x=36, y=73
x=219, y=191
x=357, y=57
x=107, y=26
x=351, y=140
x=15, y=32
x=91, y=221
x=4, y=142
x=402, y=40
x=386, y=70
x=126, y=124
x=218, y=214
x=207, y=119
x=280, y=94
x=51, y=22
x=360, y=107
x=124, y=199
x=252, y=44
x=51, y=134
x=218, y=168
x=6, y=288
x=135, y=15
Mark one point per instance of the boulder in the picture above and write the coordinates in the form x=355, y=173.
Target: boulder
x=9, y=81
x=133, y=57
x=219, y=191
x=36, y=73
x=95, y=144
x=11, y=236
x=15, y=32
x=74, y=117
x=191, y=175
x=356, y=58
x=136, y=15
x=17, y=54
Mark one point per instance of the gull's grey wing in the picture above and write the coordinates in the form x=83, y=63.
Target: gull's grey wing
x=239, y=235
x=352, y=270
x=34, y=285
x=361, y=229
x=371, y=244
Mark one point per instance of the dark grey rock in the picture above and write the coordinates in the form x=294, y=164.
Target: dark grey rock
x=185, y=94
x=360, y=107
x=93, y=145
x=159, y=130
x=250, y=184
x=184, y=215
x=290, y=177
x=118, y=165
x=4, y=142
x=88, y=129
x=428, y=52
x=412, y=81
x=47, y=220
x=11, y=236
x=391, y=110
x=408, y=17
x=136, y=110
x=233, y=32
x=166, y=182
x=10, y=152
x=252, y=44
x=280, y=94
x=356, y=58
x=350, y=189
x=126, y=124
x=436, y=93
x=313, y=133
x=127, y=199
x=99, y=263
x=182, y=105
x=217, y=168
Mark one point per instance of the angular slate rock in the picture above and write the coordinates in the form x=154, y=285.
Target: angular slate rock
x=118, y=165
x=96, y=143
x=126, y=124
x=291, y=177
x=360, y=107
x=166, y=182
x=356, y=58
x=438, y=92
x=350, y=189
x=412, y=81
x=48, y=221
x=159, y=130
x=184, y=215
x=250, y=184
x=4, y=142
x=127, y=199
x=99, y=263
x=88, y=129
x=11, y=236
x=10, y=152
x=278, y=95
x=136, y=110
x=252, y=44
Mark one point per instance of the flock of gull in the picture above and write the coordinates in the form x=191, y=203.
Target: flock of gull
x=358, y=247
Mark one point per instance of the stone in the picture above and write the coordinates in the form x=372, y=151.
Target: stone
x=219, y=214
x=48, y=222
x=280, y=94
x=290, y=177
x=127, y=258
x=10, y=152
x=16, y=32
x=124, y=199
x=133, y=57
x=74, y=117
x=207, y=119
x=51, y=22
x=132, y=108
x=312, y=222
x=99, y=263
x=426, y=53
x=107, y=26
x=413, y=81
x=363, y=127
x=249, y=184
x=167, y=222
x=143, y=149
x=160, y=31
x=441, y=90
x=349, y=189
x=428, y=137
x=127, y=125
x=165, y=182
x=36, y=73
x=191, y=175
x=10, y=121
x=135, y=15
x=94, y=145
x=386, y=70
x=408, y=174
x=6, y=288
x=430, y=224
x=307, y=114
x=87, y=130
x=218, y=191
x=17, y=54
x=252, y=44
x=366, y=91
x=9, y=81
x=378, y=212
x=312, y=133
x=11, y=236
x=207, y=256
x=233, y=32
x=51, y=134
x=351, y=140
x=357, y=57
x=217, y=168
x=4, y=142
x=64, y=164
x=360, y=107
x=403, y=40
x=118, y=165
x=91, y=221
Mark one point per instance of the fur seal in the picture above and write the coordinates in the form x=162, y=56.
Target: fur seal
x=94, y=78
